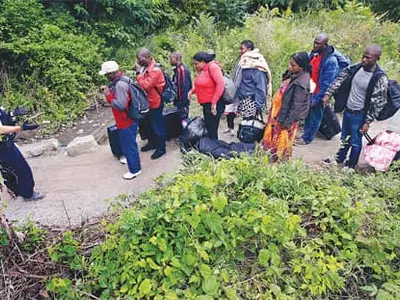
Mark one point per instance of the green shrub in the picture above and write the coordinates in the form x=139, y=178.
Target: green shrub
x=244, y=228
x=279, y=34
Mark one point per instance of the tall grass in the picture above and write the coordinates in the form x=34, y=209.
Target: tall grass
x=279, y=34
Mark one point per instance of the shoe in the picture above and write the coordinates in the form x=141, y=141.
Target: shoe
x=35, y=196
x=158, y=154
x=123, y=160
x=300, y=142
x=226, y=130
x=233, y=133
x=330, y=161
x=129, y=175
x=148, y=147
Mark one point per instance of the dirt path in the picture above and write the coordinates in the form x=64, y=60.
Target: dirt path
x=77, y=186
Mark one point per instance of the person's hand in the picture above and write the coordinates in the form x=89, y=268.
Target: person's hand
x=364, y=128
x=27, y=126
x=20, y=111
x=138, y=67
x=214, y=109
x=105, y=90
x=325, y=100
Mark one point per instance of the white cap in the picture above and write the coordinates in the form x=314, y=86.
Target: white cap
x=109, y=67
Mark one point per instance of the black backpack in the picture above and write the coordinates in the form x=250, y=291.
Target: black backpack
x=139, y=103
x=169, y=93
x=393, y=101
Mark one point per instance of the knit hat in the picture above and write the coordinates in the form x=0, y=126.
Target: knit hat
x=302, y=60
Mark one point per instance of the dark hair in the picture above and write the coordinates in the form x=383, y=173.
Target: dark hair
x=248, y=44
x=203, y=56
x=302, y=60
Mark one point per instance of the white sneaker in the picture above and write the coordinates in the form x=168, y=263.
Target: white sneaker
x=123, y=160
x=233, y=133
x=129, y=175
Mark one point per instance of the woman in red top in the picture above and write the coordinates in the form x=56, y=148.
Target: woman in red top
x=209, y=87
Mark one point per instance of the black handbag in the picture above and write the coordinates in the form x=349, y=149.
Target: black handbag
x=251, y=131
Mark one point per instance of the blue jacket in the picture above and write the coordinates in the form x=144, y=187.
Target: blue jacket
x=183, y=83
x=331, y=65
x=253, y=84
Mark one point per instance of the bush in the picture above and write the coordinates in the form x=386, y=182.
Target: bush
x=280, y=34
x=244, y=228
x=47, y=66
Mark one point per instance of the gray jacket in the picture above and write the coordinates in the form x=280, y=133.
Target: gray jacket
x=296, y=100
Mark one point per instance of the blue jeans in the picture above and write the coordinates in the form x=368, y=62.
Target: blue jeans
x=129, y=147
x=351, y=137
x=12, y=157
x=159, y=133
x=313, y=122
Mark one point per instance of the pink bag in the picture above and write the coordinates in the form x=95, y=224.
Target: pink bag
x=380, y=151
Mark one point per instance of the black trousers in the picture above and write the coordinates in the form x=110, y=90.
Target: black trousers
x=212, y=122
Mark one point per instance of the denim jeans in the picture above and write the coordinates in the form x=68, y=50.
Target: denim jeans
x=313, y=122
x=159, y=133
x=12, y=157
x=351, y=138
x=183, y=108
x=129, y=147
x=212, y=122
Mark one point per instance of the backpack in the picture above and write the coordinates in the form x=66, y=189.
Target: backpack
x=230, y=90
x=169, y=93
x=393, y=101
x=139, y=104
x=343, y=61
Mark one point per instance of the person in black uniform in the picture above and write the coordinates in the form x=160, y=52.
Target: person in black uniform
x=16, y=172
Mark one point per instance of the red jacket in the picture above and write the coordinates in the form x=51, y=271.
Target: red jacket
x=119, y=96
x=153, y=82
x=209, y=84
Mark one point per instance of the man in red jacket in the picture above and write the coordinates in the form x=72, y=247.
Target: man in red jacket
x=151, y=79
x=118, y=95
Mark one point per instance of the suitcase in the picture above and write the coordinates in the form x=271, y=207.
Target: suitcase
x=113, y=139
x=172, y=121
x=173, y=125
x=330, y=125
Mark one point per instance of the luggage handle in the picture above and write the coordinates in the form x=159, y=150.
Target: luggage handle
x=369, y=139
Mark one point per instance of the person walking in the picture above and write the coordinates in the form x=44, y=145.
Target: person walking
x=290, y=104
x=151, y=79
x=183, y=83
x=324, y=60
x=209, y=87
x=361, y=90
x=118, y=95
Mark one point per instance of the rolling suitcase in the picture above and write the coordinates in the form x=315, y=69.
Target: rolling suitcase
x=330, y=125
x=113, y=139
x=172, y=121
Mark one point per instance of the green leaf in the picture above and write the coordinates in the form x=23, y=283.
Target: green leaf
x=263, y=258
x=210, y=285
x=162, y=244
x=219, y=202
x=205, y=271
x=152, y=264
x=145, y=287
x=193, y=220
x=230, y=293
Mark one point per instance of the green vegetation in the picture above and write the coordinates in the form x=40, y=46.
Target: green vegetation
x=51, y=50
x=244, y=228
